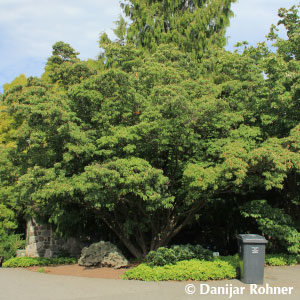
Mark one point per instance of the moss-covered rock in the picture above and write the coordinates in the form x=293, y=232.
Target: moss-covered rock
x=103, y=254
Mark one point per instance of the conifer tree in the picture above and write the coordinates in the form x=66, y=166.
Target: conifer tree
x=191, y=24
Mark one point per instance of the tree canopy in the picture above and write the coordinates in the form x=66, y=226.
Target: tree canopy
x=193, y=25
x=145, y=142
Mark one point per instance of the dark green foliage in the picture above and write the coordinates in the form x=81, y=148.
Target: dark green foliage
x=165, y=256
x=9, y=244
x=64, y=68
x=275, y=224
x=24, y=262
x=186, y=252
x=143, y=143
x=160, y=257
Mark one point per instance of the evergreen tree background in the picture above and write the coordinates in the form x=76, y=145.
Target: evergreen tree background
x=192, y=25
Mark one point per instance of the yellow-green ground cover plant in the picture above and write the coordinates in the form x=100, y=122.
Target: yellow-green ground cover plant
x=224, y=267
x=37, y=261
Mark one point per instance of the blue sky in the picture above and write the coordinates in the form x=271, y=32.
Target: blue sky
x=28, y=28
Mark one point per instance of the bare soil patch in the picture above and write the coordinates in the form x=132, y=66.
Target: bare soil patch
x=76, y=270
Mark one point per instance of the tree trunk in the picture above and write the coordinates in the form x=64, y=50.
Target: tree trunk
x=160, y=238
x=129, y=245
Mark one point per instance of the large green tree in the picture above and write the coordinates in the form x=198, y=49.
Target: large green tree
x=193, y=25
x=150, y=139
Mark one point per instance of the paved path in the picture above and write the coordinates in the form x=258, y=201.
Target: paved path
x=19, y=284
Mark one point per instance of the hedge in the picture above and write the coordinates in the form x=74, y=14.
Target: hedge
x=184, y=270
x=282, y=259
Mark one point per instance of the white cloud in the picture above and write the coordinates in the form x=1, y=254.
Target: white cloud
x=29, y=28
x=36, y=25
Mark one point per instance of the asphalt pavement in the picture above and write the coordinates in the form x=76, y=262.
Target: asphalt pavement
x=19, y=284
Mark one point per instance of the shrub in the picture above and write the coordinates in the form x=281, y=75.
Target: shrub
x=162, y=256
x=183, y=270
x=233, y=260
x=282, y=259
x=9, y=244
x=186, y=252
x=37, y=261
x=270, y=259
x=165, y=256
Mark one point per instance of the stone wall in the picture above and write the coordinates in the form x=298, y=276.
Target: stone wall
x=41, y=243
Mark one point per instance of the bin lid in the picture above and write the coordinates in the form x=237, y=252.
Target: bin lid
x=252, y=239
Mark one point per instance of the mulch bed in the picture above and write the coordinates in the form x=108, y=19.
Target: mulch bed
x=91, y=272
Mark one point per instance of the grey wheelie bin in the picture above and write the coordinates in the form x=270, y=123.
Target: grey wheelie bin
x=252, y=257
